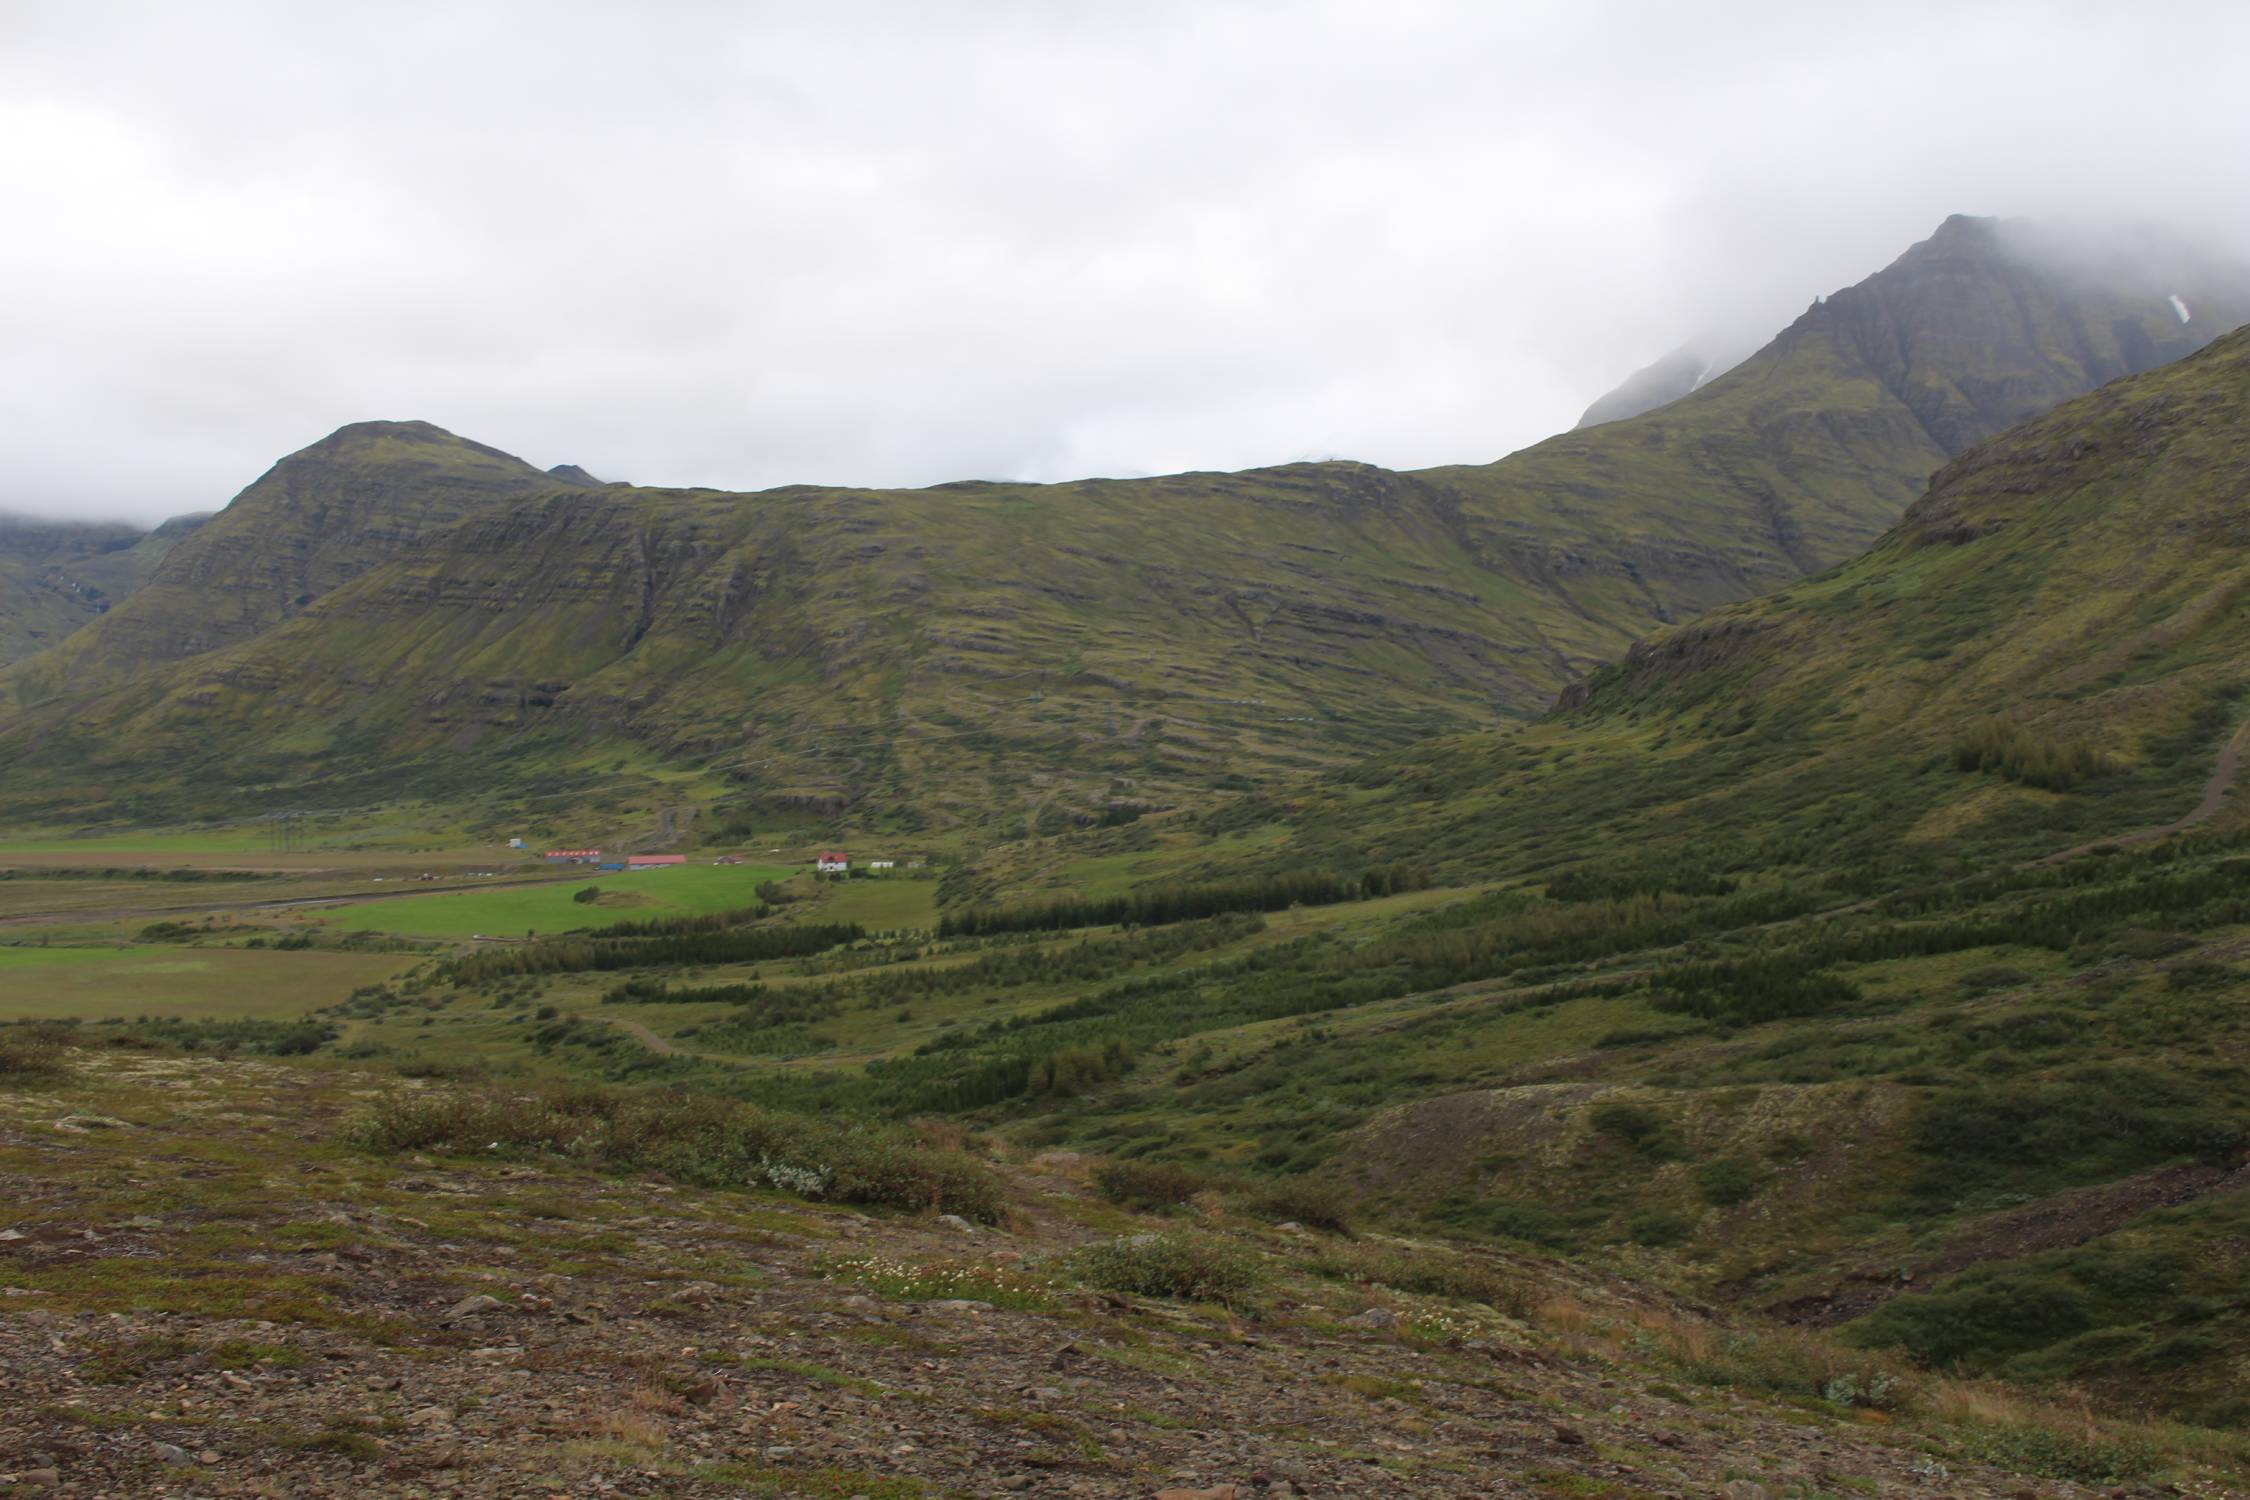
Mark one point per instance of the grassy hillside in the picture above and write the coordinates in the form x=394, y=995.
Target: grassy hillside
x=2047, y=648
x=399, y=612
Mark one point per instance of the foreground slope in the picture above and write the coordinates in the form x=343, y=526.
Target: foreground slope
x=472, y=1322
x=397, y=608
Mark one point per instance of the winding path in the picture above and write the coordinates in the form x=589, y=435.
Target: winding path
x=648, y=1038
x=2216, y=786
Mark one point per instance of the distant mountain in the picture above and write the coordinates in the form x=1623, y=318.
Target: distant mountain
x=1660, y=384
x=396, y=607
x=1804, y=453
x=322, y=516
x=57, y=576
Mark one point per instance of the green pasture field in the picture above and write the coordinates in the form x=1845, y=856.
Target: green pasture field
x=91, y=984
x=683, y=890
x=885, y=904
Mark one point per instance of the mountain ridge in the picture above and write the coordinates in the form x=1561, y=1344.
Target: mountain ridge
x=995, y=651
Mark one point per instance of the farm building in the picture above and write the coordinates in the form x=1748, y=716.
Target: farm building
x=833, y=863
x=882, y=864
x=572, y=856
x=653, y=861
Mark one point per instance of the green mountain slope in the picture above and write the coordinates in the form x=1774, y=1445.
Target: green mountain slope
x=2061, y=606
x=397, y=607
x=56, y=576
x=1871, y=952
x=321, y=516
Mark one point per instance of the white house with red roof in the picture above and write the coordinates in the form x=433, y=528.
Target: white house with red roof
x=832, y=862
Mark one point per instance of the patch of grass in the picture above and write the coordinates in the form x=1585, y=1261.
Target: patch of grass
x=123, y=1364
x=1427, y=1273
x=937, y=1281
x=1185, y=1267
x=803, y=1370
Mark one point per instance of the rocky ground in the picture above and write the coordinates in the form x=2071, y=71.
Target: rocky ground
x=205, y=1291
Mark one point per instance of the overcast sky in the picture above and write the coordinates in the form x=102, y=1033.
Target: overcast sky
x=747, y=244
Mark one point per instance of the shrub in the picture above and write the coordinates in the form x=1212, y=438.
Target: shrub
x=32, y=1053
x=2099, y=1120
x=1150, y=1186
x=1659, y=1226
x=1507, y=1218
x=1190, y=1268
x=2006, y=748
x=587, y=896
x=706, y=1141
x=1314, y=1203
x=1727, y=1180
x=1639, y=1127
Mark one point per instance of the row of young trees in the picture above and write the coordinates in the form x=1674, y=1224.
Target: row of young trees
x=2006, y=748
x=570, y=955
x=1184, y=903
x=1086, y=961
x=710, y=921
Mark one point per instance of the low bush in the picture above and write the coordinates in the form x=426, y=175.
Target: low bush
x=1657, y=1227
x=32, y=1053
x=1315, y=1203
x=1189, y=1268
x=1791, y=1363
x=1727, y=1180
x=1648, y=1133
x=1427, y=1273
x=1508, y=1219
x=706, y=1141
x=1150, y=1186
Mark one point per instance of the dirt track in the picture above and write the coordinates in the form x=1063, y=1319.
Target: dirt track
x=648, y=1038
x=2216, y=786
